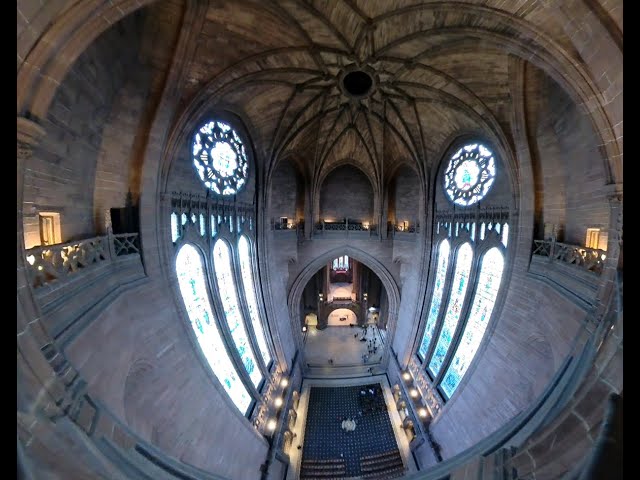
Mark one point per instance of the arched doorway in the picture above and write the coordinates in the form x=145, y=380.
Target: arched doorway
x=351, y=329
x=342, y=317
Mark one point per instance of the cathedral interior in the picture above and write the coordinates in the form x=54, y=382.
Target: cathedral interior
x=319, y=239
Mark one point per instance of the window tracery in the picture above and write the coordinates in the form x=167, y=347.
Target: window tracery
x=436, y=299
x=190, y=274
x=478, y=319
x=249, y=293
x=470, y=174
x=454, y=307
x=220, y=158
x=227, y=291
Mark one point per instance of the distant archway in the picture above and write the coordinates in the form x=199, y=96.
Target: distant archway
x=341, y=316
x=388, y=282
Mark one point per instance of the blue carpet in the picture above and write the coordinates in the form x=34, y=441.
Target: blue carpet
x=324, y=439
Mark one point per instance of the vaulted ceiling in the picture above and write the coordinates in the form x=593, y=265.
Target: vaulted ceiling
x=439, y=69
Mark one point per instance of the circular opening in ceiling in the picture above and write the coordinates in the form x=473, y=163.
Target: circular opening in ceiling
x=357, y=83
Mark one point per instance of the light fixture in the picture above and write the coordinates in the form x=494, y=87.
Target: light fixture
x=304, y=329
x=406, y=375
x=414, y=393
x=271, y=425
x=31, y=259
x=284, y=382
x=278, y=402
x=422, y=412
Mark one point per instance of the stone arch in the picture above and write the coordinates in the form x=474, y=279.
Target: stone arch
x=329, y=309
x=390, y=285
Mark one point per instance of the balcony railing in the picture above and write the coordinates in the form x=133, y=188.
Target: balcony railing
x=346, y=226
x=49, y=263
x=591, y=259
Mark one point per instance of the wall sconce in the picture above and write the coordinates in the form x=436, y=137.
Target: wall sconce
x=365, y=225
x=278, y=402
x=271, y=425
x=31, y=259
x=414, y=393
x=304, y=329
x=365, y=296
x=406, y=376
x=422, y=412
x=284, y=382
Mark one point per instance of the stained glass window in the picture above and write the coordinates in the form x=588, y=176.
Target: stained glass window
x=454, y=307
x=233, y=315
x=220, y=158
x=436, y=299
x=196, y=301
x=250, y=295
x=480, y=313
x=175, y=234
x=505, y=234
x=470, y=174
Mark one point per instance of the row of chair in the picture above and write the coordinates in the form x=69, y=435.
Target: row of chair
x=325, y=461
x=390, y=453
x=394, y=473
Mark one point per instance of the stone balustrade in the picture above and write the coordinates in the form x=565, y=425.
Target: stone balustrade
x=51, y=263
x=591, y=259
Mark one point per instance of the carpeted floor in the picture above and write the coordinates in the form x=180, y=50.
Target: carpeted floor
x=324, y=439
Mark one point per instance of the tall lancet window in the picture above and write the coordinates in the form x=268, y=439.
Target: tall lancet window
x=233, y=315
x=477, y=217
x=190, y=273
x=479, y=315
x=454, y=307
x=244, y=252
x=436, y=299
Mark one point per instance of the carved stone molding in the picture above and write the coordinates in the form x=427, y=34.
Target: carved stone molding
x=29, y=132
x=24, y=150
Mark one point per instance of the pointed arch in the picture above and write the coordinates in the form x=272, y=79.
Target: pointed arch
x=233, y=315
x=191, y=280
x=488, y=285
x=436, y=299
x=246, y=270
x=464, y=257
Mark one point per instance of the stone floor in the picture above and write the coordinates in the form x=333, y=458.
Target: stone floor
x=339, y=344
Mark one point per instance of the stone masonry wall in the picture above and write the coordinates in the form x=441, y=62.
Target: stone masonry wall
x=346, y=192
x=567, y=163
x=406, y=196
x=60, y=175
x=284, y=187
x=146, y=371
